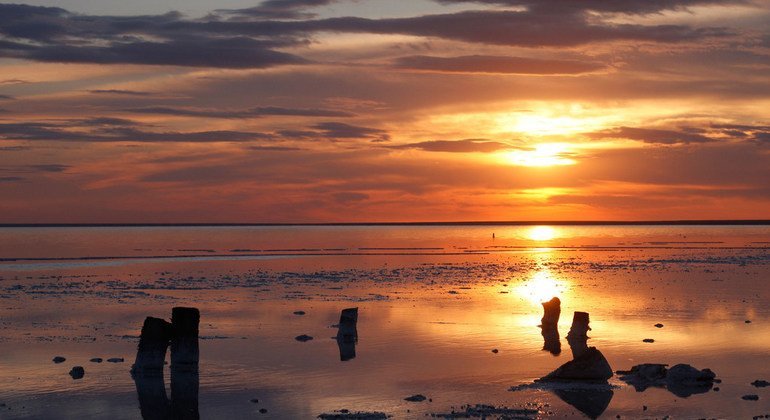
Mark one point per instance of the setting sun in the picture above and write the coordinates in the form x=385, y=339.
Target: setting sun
x=541, y=233
x=542, y=155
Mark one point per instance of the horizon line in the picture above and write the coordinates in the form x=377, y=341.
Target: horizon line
x=682, y=222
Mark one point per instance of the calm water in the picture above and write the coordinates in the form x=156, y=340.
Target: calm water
x=433, y=304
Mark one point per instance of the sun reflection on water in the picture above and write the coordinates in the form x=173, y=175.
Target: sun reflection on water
x=542, y=233
x=541, y=287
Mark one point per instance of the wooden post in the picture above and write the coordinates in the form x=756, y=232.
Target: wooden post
x=551, y=313
x=184, y=341
x=153, y=342
x=347, y=334
x=578, y=334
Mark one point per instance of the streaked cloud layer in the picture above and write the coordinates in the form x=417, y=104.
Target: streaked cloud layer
x=333, y=110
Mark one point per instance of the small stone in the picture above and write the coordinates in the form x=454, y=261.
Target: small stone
x=495, y=351
x=115, y=360
x=716, y=389
x=59, y=359
x=748, y=321
x=658, y=325
x=263, y=410
x=416, y=398
x=96, y=360
x=303, y=338
x=299, y=312
x=648, y=340
x=254, y=400
x=77, y=372
x=760, y=383
x=750, y=397
x=644, y=408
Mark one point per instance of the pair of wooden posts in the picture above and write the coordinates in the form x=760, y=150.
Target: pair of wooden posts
x=181, y=334
x=578, y=332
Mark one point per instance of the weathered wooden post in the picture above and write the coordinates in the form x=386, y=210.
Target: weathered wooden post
x=151, y=352
x=551, y=313
x=347, y=333
x=578, y=334
x=184, y=339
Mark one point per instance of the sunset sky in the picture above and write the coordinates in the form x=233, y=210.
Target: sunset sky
x=383, y=110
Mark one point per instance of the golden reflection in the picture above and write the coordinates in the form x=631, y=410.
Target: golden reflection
x=541, y=233
x=540, y=288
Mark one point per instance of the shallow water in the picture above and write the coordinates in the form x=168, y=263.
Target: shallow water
x=433, y=304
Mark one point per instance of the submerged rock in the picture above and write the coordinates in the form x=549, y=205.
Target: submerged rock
x=303, y=338
x=760, y=383
x=96, y=360
x=681, y=380
x=77, y=372
x=659, y=325
x=648, y=340
x=589, y=366
x=59, y=359
x=299, y=312
x=750, y=397
x=116, y=360
x=359, y=415
x=416, y=398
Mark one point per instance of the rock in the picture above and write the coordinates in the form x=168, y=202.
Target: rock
x=299, y=312
x=416, y=398
x=658, y=325
x=263, y=410
x=495, y=351
x=116, y=360
x=77, y=372
x=254, y=400
x=748, y=321
x=648, y=340
x=96, y=360
x=750, y=397
x=759, y=383
x=589, y=366
x=358, y=415
x=59, y=359
x=684, y=380
x=303, y=338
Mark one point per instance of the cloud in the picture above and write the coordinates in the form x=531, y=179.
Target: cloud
x=119, y=92
x=115, y=130
x=334, y=131
x=349, y=197
x=649, y=135
x=11, y=179
x=457, y=146
x=242, y=113
x=611, y=6
x=496, y=64
x=277, y=9
x=6, y=97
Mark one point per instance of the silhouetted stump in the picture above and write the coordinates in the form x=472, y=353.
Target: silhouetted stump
x=184, y=342
x=579, y=326
x=347, y=334
x=153, y=401
x=551, y=313
x=590, y=366
x=184, y=394
x=153, y=342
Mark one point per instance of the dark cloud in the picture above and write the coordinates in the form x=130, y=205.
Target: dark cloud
x=649, y=135
x=496, y=64
x=338, y=130
x=348, y=197
x=106, y=130
x=49, y=168
x=119, y=92
x=274, y=148
x=457, y=146
x=55, y=35
x=611, y=6
x=6, y=97
x=11, y=178
x=278, y=9
x=243, y=113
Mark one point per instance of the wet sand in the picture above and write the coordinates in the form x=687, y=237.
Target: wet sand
x=428, y=322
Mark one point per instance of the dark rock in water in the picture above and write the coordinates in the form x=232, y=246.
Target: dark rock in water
x=299, y=312
x=116, y=360
x=77, y=372
x=416, y=398
x=760, y=383
x=591, y=402
x=748, y=321
x=648, y=340
x=658, y=325
x=489, y=411
x=263, y=410
x=96, y=360
x=303, y=338
x=59, y=359
x=750, y=397
x=495, y=351
x=254, y=400
x=589, y=366
x=551, y=313
x=681, y=380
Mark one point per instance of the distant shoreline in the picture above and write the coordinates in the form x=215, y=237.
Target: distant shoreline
x=363, y=224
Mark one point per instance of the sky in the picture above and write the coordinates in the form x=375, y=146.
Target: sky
x=171, y=111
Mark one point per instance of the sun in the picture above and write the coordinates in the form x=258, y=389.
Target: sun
x=542, y=155
x=541, y=233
